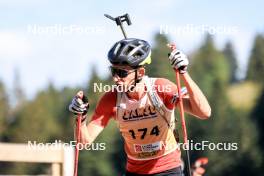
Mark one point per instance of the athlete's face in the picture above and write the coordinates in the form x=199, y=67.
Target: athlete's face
x=125, y=75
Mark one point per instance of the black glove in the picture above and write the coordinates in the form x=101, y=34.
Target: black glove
x=179, y=61
x=79, y=104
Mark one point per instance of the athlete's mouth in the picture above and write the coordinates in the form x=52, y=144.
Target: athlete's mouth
x=119, y=83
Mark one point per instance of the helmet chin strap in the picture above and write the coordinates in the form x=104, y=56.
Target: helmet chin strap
x=136, y=76
x=136, y=80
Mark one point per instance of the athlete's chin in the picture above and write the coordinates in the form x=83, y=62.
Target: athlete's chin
x=121, y=87
x=119, y=83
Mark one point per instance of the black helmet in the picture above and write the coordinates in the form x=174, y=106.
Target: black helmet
x=132, y=52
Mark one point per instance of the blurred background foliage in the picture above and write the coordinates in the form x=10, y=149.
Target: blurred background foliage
x=237, y=113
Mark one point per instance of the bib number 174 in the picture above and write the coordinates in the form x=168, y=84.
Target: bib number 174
x=144, y=131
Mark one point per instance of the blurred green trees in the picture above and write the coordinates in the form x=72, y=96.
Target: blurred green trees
x=159, y=66
x=213, y=71
x=232, y=61
x=4, y=110
x=256, y=61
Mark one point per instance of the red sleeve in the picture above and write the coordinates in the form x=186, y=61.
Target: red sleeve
x=105, y=109
x=166, y=91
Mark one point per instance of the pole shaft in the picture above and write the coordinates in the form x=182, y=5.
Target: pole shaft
x=123, y=31
x=184, y=131
x=78, y=133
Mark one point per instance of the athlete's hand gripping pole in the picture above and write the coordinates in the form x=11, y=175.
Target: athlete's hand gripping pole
x=184, y=131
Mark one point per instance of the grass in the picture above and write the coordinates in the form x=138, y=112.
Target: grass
x=244, y=95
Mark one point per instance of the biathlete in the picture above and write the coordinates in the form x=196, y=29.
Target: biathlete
x=143, y=108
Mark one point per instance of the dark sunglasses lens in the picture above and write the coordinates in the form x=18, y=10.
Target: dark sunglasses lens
x=120, y=73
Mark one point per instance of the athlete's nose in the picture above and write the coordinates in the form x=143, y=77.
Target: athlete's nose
x=117, y=79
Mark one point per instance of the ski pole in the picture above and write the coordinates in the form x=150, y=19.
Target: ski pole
x=119, y=21
x=184, y=131
x=78, y=133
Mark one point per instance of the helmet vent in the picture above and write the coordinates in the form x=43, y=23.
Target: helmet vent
x=117, y=48
x=128, y=50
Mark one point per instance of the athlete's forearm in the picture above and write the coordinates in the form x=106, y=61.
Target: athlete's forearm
x=198, y=104
x=89, y=132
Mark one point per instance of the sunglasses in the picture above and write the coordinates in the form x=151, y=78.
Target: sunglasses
x=121, y=73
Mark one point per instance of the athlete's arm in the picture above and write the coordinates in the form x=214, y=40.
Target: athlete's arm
x=105, y=109
x=196, y=103
x=89, y=132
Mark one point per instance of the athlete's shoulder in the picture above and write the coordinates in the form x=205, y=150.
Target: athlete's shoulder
x=165, y=86
x=108, y=101
x=109, y=97
x=105, y=109
x=166, y=90
x=163, y=81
